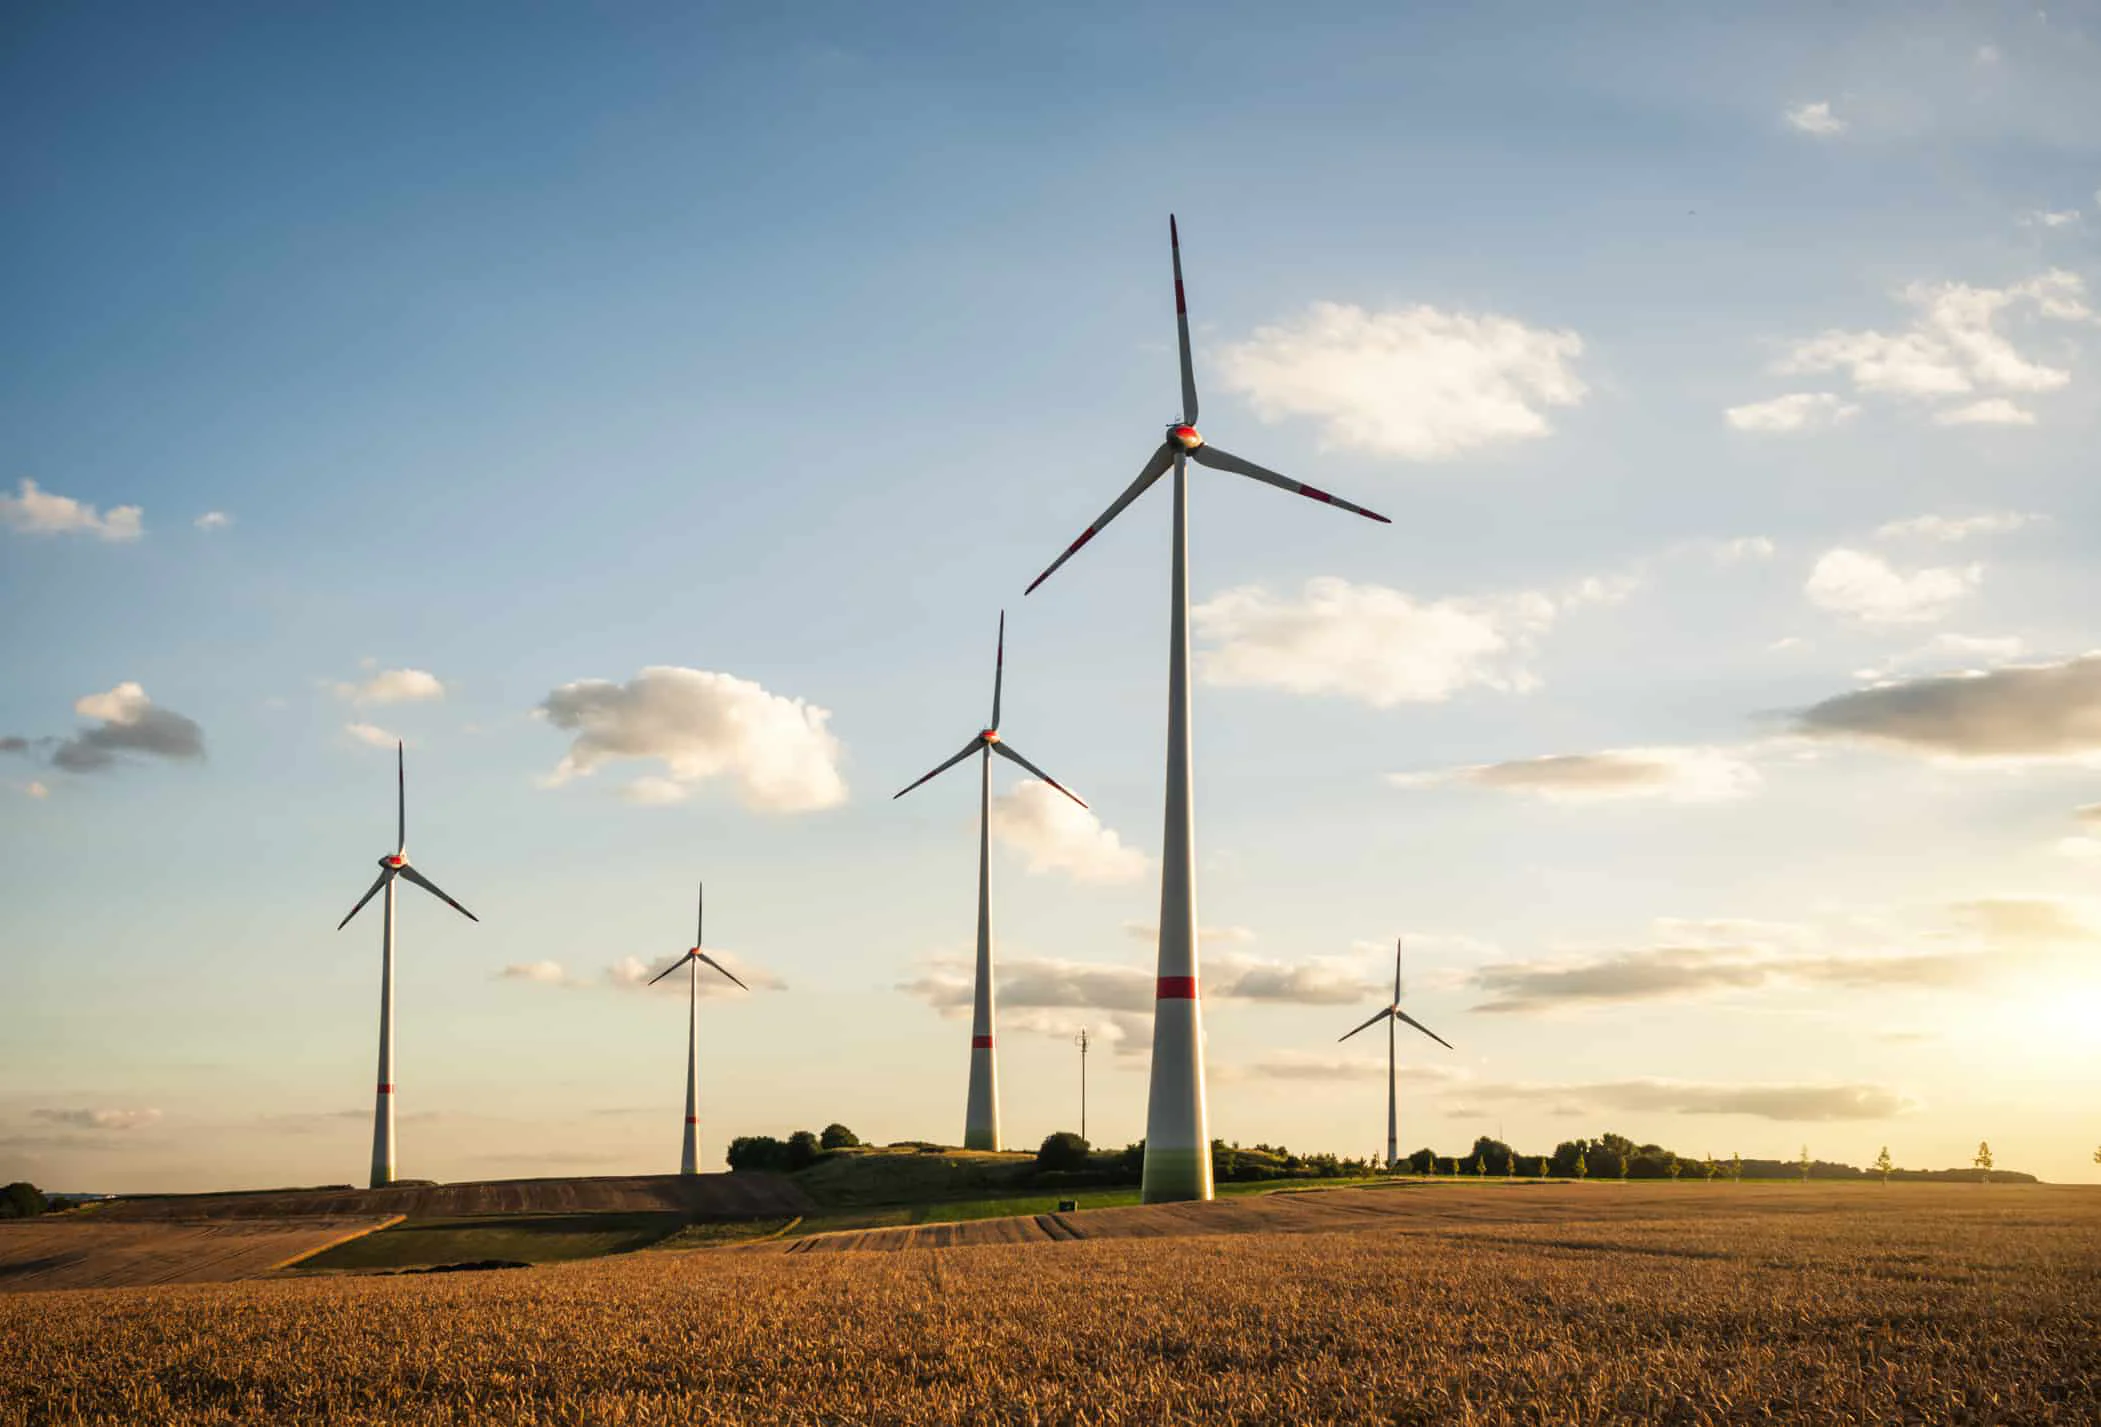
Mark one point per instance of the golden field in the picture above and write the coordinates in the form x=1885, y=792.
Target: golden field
x=1431, y=1303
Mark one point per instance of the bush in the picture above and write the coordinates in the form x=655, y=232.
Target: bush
x=22, y=1200
x=802, y=1150
x=761, y=1153
x=1063, y=1151
x=837, y=1137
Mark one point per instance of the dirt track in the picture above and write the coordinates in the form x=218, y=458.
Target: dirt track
x=84, y=1253
x=700, y=1197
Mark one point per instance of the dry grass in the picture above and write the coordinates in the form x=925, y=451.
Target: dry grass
x=1457, y=1304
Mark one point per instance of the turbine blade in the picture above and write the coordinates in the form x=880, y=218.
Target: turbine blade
x=999, y=669
x=436, y=891
x=1217, y=460
x=684, y=957
x=1004, y=750
x=1400, y=1014
x=1174, y=242
x=700, y=917
x=1376, y=1018
x=1155, y=467
x=703, y=956
x=968, y=749
x=401, y=802
x=1397, y=971
x=370, y=893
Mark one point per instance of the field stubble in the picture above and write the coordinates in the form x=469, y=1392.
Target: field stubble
x=1466, y=1305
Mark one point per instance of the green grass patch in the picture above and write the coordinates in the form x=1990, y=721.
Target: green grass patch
x=526, y=1238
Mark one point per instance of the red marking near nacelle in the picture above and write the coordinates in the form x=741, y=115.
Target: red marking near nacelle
x=396, y=861
x=1181, y=305
x=386, y=1090
x=981, y=1042
x=1177, y=988
x=1317, y=495
x=692, y=1119
x=990, y=735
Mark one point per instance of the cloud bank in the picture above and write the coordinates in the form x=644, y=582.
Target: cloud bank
x=35, y=511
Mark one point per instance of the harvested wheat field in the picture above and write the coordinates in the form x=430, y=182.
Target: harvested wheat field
x=86, y=1253
x=699, y=1197
x=1466, y=1304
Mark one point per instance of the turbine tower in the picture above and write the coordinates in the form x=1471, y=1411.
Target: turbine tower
x=981, y=1110
x=1393, y=1015
x=689, y=1155
x=390, y=868
x=1177, y=1128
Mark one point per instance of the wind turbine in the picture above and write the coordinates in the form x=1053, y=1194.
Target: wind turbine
x=981, y=1110
x=390, y=868
x=1393, y=1015
x=689, y=1156
x=1177, y=1129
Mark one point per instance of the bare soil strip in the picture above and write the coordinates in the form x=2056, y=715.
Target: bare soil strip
x=41, y=1254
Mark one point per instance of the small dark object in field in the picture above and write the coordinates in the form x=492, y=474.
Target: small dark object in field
x=475, y=1267
x=1068, y=1206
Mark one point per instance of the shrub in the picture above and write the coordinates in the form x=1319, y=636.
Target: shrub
x=803, y=1150
x=1062, y=1151
x=22, y=1200
x=837, y=1137
x=762, y=1153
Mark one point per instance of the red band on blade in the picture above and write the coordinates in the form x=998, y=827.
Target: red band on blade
x=386, y=1090
x=1180, y=305
x=1177, y=988
x=981, y=1042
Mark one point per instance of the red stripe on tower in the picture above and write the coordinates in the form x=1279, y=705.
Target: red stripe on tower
x=981, y=1042
x=692, y=1119
x=1177, y=988
x=386, y=1090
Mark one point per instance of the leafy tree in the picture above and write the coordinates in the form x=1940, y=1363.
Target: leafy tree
x=1803, y=1163
x=1480, y=1166
x=22, y=1200
x=837, y=1137
x=1542, y=1170
x=1062, y=1151
x=2097, y=1156
x=761, y=1153
x=803, y=1150
x=1983, y=1162
x=1580, y=1168
x=1567, y=1156
x=1423, y=1161
x=1883, y=1164
x=1736, y=1168
x=1677, y=1167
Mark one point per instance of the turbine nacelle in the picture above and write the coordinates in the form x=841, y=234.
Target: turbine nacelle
x=1184, y=435
x=394, y=861
x=990, y=735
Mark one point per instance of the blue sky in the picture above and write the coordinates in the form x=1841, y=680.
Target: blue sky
x=528, y=349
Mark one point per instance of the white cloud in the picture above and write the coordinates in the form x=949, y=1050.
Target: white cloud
x=98, y=1119
x=1149, y=932
x=38, y=512
x=213, y=520
x=371, y=735
x=543, y=973
x=1797, y=411
x=394, y=686
x=1815, y=118
x=1953, y=347
x=1949, y=529
x=775, y=750
x=1058, y=835
x=129, y=723
x=1992, y=411
x=1375, y=644
x=1679, y=775
x=631, y=973
x=1949, y=650
x=1743, y=548
x=2050, y=218
x=1414, y=382
x=1870, y=589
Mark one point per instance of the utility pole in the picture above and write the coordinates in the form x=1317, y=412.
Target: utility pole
x=1081, y=1041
